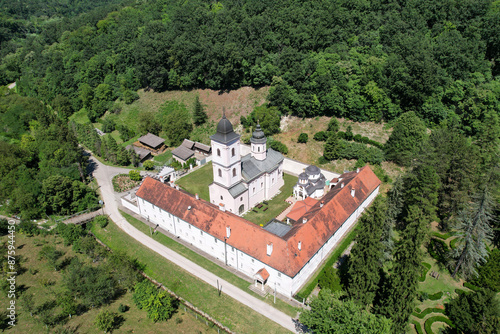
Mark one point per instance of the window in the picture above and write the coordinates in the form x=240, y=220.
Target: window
x=279, y=274
x=220, y=173
x=252, y=261
x=215, y=239
x=232, y=249
x=241, y=199
x=262, y=185
x=201, y=232
x=254, y=190
x=233, y=153
x=234, y=170
x=258, y=149
x=272, y=182
x=221, y=197
x=218, y=152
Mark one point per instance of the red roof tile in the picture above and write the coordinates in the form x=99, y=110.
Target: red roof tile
x=301, y=207
x=252, y=239
x=263, y=274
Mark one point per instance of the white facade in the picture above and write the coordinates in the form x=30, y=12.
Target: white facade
x=233, y=257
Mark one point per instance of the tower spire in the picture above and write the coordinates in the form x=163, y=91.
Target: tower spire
x=223, y=112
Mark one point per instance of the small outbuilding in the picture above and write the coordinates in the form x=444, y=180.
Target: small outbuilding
x=152, y=142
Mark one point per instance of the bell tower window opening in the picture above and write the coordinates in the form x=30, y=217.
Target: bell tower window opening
x=218, y=152
x=234, y=170
x=220, y=173
x=233, y=153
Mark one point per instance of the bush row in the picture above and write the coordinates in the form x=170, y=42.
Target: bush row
x=360, y=139
x=418, y=328
x=425, y=269
x=431, y=320
x=427, y=311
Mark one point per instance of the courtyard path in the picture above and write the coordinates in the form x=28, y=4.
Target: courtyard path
x=103, y=175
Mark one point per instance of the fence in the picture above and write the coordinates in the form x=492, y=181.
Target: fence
x=188, y=307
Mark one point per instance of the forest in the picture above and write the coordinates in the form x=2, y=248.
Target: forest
x=428, y=68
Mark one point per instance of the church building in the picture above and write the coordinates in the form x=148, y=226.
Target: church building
x=242, y=182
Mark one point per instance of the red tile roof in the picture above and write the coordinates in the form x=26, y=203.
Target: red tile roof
x=263, y=274
x=301, y=207
x=252, y=239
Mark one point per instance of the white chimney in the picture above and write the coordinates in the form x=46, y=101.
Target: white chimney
x=196, y=196
x=228, y=231
x=342, y=185
x=172, y=184
x=300, y=245
x=357, y=170
x=304, y=220
x=222, y=207
x=321, y=204
x=177, y=186
x=353, y=192
x=269, y=249
x=189, y=207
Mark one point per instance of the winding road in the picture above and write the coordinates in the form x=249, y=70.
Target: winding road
x=103, y=175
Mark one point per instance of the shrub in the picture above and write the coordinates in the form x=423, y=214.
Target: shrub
x=106, y=321
x=425, y=269
x=423, y=296
x=329, y=279
x=438, y=249
x=122, y=308
x=471, y=286
x=108, y=125
x=303, y=138
x=436, y=296
x=102, y=221
x=333, y=125
x=135, y=175
x=431, y=320
x=489, y=273
x=278, y=146
x=320, y=136
x=149, y=165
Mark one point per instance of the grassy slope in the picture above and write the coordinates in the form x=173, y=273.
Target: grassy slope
x=225, y=309
x=85, y=322
x=197, y=182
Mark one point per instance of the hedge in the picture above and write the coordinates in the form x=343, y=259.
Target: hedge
x=360, y=139
x=436, y=296
x=443, y=236
x=427, y=311
x=471, y=286
x=425, y=270
x=431, y=320
x=418, y=327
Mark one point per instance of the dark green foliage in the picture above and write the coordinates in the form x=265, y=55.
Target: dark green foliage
x=471, y=286
x=428, y=323
x=397, y=296
x=489, y=273
x=348, y=133
x=123, y=269
x=177, y=125
x=332, y=147
x=436, y=296
x=148, y=165
x=108, y=125
x=106, y=321
x=348, y=150
x=425, y=269
x=123, y=308
x=135, y=175
x=102, y=221
x=366, y=255
x=427, y=311
x=51, y=254
x=4, y=226
x=158, y=303
x=329, y=280
x=333, y=125
x=320, y=136
x=199, y=115
x=70, y=232
x=476, y=312
x=268, y=118
x=93, y=286
x=406, y=139
x=329, y=314
x=303, y=138
x=278, y=146
x=438, y=249
x=129, y=96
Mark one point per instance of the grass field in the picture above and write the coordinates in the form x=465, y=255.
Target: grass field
x=80, y=117
x=198, y=181
x=229, y=312
x=209, y=265
x=275, y=205
x=163, y=158
x=37, y=273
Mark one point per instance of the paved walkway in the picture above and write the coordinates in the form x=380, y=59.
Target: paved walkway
x=103, y=175
x=83, y=218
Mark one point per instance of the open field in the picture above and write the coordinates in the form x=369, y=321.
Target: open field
x=228, y=311
x=37, y=273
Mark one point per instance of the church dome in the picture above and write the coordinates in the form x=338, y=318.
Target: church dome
x=225, y=133
x=258, y=136
x=224, y=127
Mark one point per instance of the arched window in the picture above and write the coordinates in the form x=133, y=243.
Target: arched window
x=220, y=173
x=233, y=152
x=258, y=149
x=218, y=152
x=234, y=170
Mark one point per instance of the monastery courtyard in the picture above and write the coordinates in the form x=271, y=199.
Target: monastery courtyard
x=197, y=182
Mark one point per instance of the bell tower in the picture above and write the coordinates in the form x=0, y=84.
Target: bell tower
x=258, y=142
x=226, y=159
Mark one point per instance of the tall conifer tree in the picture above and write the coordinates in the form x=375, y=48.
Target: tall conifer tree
x=366, y=255
x=199, y=115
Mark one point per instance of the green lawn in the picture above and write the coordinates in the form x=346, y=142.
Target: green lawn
x=209, y=265
x=225, y=309
x=198, y=181
x=163, y=158
x=275, y=205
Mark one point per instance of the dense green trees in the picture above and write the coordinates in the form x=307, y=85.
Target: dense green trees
x=366, y=255
x=406, y=140
x=158, y=303
x=329, y=314
x=199, y=115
